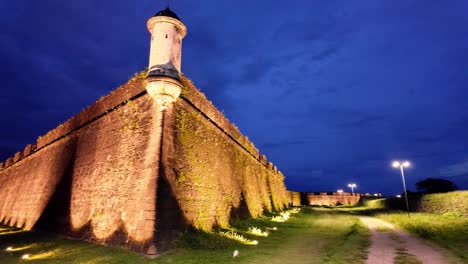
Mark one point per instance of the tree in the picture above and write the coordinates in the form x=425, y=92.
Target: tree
x=433, y=185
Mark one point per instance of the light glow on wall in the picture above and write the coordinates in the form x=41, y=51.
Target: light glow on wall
x=44, y=255
x=284, y=216
x=16, y=249
x=257, y=232
x=231, y=234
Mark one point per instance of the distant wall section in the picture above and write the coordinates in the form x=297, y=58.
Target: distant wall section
x=332, y=199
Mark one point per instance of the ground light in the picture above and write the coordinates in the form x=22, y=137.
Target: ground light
x=257, y=231
x=284, y=216
x=231, y=234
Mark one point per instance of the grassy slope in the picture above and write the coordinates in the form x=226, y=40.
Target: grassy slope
x=311, y=236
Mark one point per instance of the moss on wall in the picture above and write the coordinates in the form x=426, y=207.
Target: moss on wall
x=214, y=175
x=451, y=202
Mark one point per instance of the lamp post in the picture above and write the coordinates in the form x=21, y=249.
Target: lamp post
x=352, y=186
x=340, y=191
x=401, y=165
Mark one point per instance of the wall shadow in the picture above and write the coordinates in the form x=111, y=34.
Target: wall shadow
x=240, y=212
x=170, y=221
x=56, y=215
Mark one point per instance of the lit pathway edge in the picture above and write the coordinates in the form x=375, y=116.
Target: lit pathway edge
x=387, y=241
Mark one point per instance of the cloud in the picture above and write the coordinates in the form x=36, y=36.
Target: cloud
x=360, y=121
x=455, y=170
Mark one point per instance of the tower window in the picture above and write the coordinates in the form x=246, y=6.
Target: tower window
x=166, y=35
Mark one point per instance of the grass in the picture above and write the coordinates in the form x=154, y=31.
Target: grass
x=311, y=236
x=48, y=248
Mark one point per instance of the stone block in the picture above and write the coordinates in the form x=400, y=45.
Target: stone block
x=8, y=162
x=270, y=165
x=17, y=157
x=29, y=149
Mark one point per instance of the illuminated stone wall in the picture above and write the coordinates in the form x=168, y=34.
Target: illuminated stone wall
x=91, y=177
x=294, y=198
x=101, y=176
x=214, y=171
x=333, y=199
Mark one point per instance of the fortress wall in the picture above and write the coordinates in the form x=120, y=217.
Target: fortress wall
x=294, y=198
x=93, y=177
x=101, y=176
x=214, y=171
x=331, y=200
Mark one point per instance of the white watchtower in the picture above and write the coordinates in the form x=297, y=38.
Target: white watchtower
x=163, y=80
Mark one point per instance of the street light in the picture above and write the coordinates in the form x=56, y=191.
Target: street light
x=401, y=165
x=352, y=186
x=340, y=191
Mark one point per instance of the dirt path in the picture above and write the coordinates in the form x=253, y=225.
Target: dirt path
x=390, y=245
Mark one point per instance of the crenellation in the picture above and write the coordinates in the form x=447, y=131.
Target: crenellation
x=103, y=106
x=29, y=149
x=8, y=162
x=18, y=155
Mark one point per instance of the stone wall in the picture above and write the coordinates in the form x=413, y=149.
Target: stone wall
x=332, y=199
x=215, y=173
x=124, y=172
x=92, y=177
x=294, y=198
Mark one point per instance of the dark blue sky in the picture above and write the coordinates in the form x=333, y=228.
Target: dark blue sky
x=330, y=91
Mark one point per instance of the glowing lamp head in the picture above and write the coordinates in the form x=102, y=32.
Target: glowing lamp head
x=340, y=191
x=397, y=164
x=25, y=256
x=9, y=249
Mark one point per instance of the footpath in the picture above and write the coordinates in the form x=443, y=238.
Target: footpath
x=390, y=245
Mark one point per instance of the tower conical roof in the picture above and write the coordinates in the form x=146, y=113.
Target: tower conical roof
x=168, y=13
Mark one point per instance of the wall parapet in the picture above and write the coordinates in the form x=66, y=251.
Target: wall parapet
x=197, y=99
x=126, y=92
x=120, y=96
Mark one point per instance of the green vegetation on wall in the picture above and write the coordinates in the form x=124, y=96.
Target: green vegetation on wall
x=446, y=203
x=455, y=203
x=215, y=177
